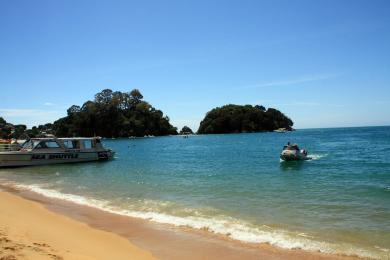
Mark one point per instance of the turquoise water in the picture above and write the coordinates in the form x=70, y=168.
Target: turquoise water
x=339, y=202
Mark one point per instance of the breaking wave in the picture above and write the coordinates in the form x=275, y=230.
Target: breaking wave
x=223, y=225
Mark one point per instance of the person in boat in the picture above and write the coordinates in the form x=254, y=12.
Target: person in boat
x=289, y=146
x=295, y=147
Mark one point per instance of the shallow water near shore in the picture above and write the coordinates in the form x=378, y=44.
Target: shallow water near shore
x=338, y=202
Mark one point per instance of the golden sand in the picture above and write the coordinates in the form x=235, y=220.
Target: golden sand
x=29, y=231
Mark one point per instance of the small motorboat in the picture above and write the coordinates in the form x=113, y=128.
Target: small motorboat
x=293, y=153
x=281, y=130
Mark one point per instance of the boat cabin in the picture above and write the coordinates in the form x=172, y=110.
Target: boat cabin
x=293, y=147
x=51, y=144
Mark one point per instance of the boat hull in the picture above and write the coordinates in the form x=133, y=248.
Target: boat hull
x=289, y=155
x=17, y=159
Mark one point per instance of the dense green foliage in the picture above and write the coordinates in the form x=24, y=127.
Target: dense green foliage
x=8, y=130
x=186, y=131
x=242, y=119
x=117, y=114
x=114, y=114
x=40, y=130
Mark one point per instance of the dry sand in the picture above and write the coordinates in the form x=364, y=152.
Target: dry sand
x=29, y=231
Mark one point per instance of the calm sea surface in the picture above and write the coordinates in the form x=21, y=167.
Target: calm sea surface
x=339, y=202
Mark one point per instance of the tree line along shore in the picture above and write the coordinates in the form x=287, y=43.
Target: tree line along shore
x=126, y=114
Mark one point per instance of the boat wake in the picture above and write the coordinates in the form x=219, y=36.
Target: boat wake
x=224, y=225
x=316, y=156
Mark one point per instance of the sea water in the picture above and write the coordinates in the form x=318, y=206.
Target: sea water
x=236, y=185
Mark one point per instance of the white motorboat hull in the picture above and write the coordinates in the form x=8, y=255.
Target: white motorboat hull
x=293, y=155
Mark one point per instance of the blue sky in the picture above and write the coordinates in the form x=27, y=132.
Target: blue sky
x=322, y=63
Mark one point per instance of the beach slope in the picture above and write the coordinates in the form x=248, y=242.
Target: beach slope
x=29, y=231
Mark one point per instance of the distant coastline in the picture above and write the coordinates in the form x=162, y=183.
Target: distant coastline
x=115, y=114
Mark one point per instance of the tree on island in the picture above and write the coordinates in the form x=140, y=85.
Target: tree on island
x=8, y=130
x=114, y=114
x=243, y=119
x=5, y=129
x=186, y=131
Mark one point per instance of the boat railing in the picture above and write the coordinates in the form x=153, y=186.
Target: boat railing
x=10, y=147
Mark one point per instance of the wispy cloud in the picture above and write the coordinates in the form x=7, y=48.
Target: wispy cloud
x=294, y=81
x=48, y=104
x=297, y=104
x=271, y=103
x=310, y=104
x=30, y=117
x=301, y=104
x=25, y=112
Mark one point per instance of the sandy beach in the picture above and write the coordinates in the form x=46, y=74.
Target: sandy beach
x=36, y=227
x=29, y=231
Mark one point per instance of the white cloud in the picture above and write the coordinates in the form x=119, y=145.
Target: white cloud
x=48, y=104
x=30, y=117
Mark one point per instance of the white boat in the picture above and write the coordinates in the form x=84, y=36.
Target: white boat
x=293, y=153
x=281, y=130
x=42, y=151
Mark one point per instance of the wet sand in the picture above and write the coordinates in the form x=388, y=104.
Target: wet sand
x=30, y=231
x=160, y=240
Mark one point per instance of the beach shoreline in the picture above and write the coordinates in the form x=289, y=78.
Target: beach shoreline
x=144, y=237
x=28, y=230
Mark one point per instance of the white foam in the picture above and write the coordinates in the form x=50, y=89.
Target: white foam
x=317, y=156
x=382, y=249
x=231, y=227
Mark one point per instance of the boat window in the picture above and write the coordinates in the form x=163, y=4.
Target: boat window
x=27, y=145
x=68, y=144
x=47, y=145
x=72, y=144
x=30, y=144
x=88, y=144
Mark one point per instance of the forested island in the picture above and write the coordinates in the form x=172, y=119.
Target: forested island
x=125, y=114
x=114, y=114
x=186, y=131
x=110, y=114
x=243, y=119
